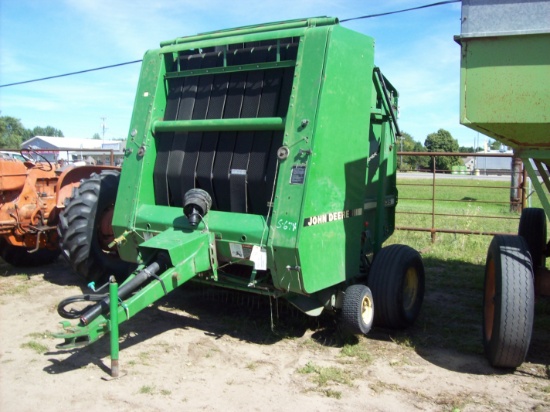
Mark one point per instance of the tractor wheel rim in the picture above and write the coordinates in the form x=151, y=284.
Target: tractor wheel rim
x=410, y=289
x=367, y=310
x=105, y=228
x=489, y=303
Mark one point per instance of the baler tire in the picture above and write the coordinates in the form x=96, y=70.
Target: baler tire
x=508, y=302
x=82, y=243
x=396, y=279
x=532, y=227
x=19, y=256
x=357, y=310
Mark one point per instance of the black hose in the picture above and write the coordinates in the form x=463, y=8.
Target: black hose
x=124, y=291
x=75, y=314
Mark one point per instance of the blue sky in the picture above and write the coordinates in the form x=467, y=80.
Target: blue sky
x=40, y=38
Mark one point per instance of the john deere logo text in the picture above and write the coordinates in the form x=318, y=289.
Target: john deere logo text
x=331, y=217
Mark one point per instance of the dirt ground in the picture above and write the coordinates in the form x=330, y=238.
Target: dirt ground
x=198, y=350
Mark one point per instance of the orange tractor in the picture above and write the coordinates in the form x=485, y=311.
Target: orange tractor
x=46, y=209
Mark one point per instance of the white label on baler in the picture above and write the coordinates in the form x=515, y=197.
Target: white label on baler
x=389, y=201
x=259, y=257
x=369, y=205
x=236, y=250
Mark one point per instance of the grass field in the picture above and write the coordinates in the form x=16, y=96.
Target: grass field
x=461, y=204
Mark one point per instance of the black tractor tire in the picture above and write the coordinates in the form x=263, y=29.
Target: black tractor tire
x=508, y=302
x=396, y=279
x=357, y=310
x=82, y=242
x=532, y=227
x=19, y=256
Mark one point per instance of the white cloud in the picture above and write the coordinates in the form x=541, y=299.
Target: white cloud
x=10, y=63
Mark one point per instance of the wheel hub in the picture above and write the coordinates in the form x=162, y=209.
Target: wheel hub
x=410, y=289
x=367, y=310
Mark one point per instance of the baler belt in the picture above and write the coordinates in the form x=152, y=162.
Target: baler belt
x=205, y=164
x=178, y=151
x=164, y=146
x=220, y=170
x=193, y=146
x=263, y=142
x=243, y=145
x=237, y=187
x=226, y=147
x=210, y=140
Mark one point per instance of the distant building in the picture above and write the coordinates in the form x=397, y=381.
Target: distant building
x=74, y=149
x=499, y=166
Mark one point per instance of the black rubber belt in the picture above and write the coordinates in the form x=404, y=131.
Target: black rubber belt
x=164, y=145
x=208, y=153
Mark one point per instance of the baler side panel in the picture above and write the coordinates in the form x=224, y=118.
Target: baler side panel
x=331, y=224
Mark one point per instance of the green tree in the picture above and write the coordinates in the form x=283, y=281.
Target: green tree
x=407, y=144
x=46, y=131
x=442, y=141
x=96, y=136
x=494, y=144
x=12, y=132
x=466, y=149
x=470, y=149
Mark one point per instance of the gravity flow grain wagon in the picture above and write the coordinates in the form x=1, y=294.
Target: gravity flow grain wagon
x=505, y=94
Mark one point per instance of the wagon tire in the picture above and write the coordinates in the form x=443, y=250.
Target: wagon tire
x=357, y=310
x=532, y=227
x=19, y=256
x=85, y=229
x=396, y=279
x=508, y=302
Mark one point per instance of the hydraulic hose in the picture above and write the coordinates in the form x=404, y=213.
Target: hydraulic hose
x=75, y=314
x=124, y=291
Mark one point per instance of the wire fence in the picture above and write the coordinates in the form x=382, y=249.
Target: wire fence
x=484, y=197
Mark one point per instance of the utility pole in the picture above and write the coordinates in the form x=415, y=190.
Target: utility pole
x=103, y=126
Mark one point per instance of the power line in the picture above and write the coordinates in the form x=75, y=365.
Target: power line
x=368, y=16
x=71, y=74
x=425, y=6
